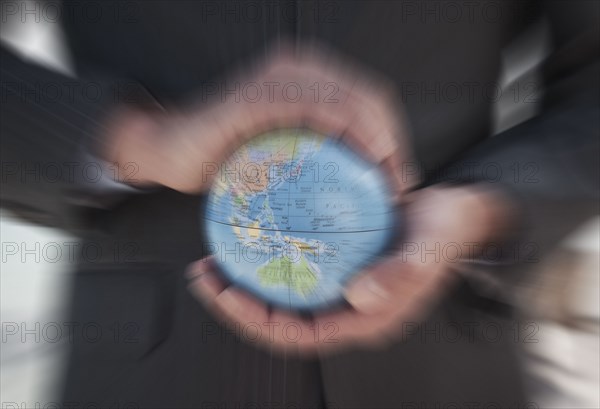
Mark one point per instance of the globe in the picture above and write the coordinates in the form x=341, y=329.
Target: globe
x=293, y=215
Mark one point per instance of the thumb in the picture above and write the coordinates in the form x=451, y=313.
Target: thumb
x=369, y=293
x=409, y=274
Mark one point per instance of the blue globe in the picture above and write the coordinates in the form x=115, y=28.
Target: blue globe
x=293, y=215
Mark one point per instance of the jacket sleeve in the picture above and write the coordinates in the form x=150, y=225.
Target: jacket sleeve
x=548, y=165
x=48, y=124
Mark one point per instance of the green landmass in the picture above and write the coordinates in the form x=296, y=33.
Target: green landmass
x=298, y=276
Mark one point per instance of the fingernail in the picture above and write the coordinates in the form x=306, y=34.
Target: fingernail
x=367, y=295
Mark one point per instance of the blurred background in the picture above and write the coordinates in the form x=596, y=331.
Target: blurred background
x=562, y=361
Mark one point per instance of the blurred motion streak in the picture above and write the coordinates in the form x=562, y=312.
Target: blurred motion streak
x=123, y=121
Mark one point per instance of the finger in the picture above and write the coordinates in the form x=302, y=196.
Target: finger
x=206, y=284
x=349, y=105
x=401, y=176
x=390, y=284
x=331, y=98
x=241, y=307
x=300, y=98
x=199, y=267
x=229, y=301
x=370, y=292
x=291, y=332
x=364, y=99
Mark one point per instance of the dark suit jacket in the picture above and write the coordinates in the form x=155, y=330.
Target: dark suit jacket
x=158, y=347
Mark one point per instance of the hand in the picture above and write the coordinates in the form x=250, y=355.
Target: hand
x=310, y=88
x=396, y=290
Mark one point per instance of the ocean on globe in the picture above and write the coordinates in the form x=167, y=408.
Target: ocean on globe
x=293, y=215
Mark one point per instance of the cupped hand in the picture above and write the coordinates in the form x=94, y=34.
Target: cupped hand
x=308, y=87
x=446, y=226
